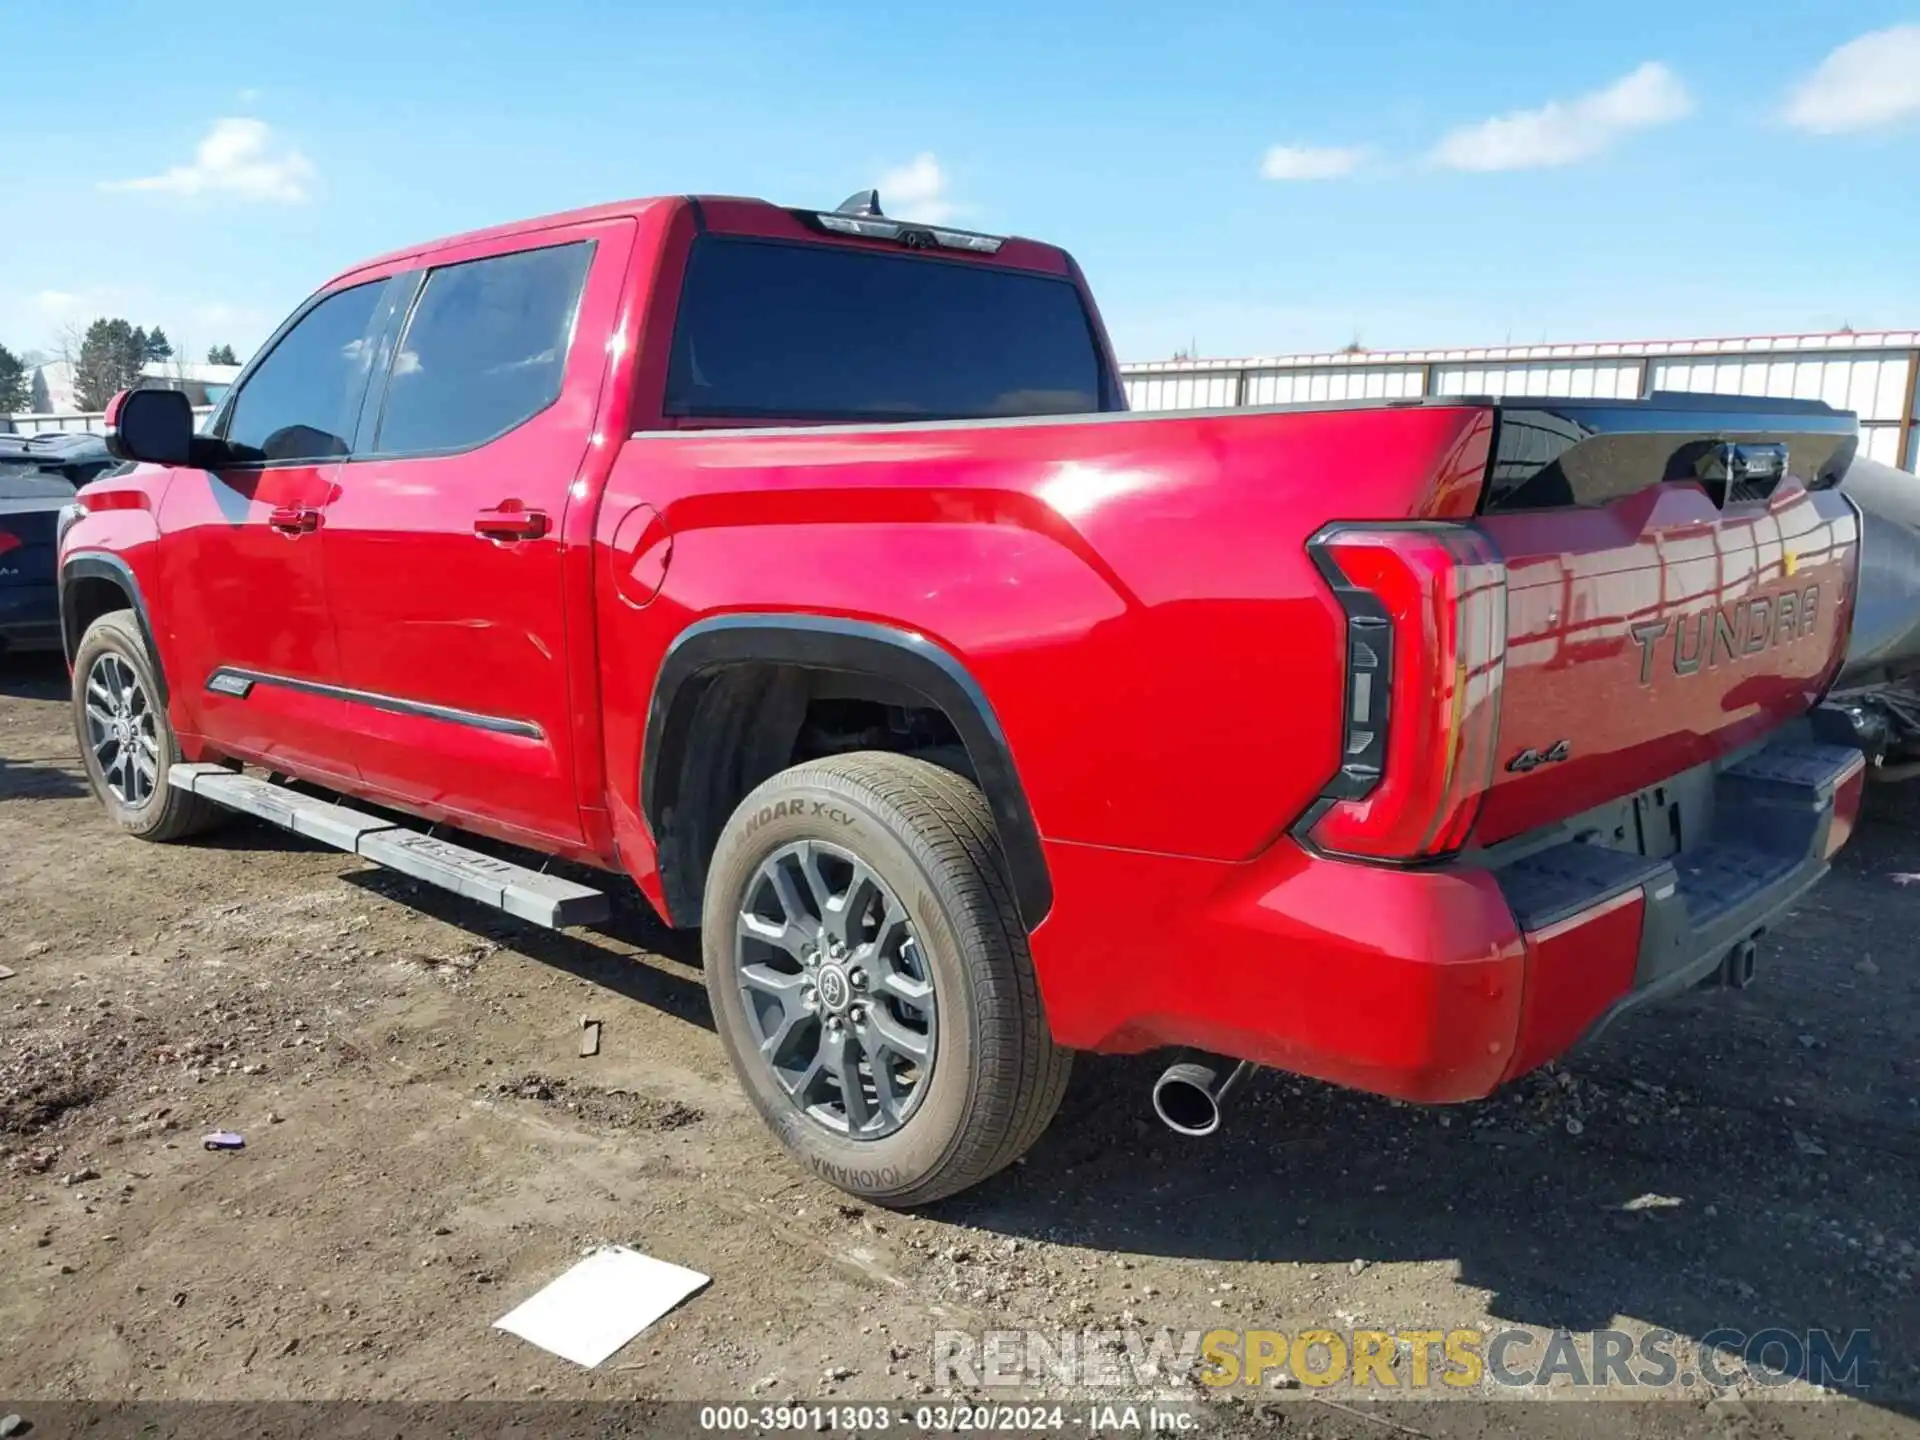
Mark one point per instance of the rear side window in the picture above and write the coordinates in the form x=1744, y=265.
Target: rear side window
x=484, y=351
x=824, y=332
x=301, y=400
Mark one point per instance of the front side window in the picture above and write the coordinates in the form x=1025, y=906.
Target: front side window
x=301, y=402
x=485, y=349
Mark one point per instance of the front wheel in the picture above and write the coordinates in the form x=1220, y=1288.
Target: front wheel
x=870, y=978
x=126, y=739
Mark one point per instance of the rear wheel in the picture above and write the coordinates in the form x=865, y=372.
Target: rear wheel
x=126, y=739
x=870, y=978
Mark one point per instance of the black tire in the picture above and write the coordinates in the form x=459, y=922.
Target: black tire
x=926, y=834
x=159, y=813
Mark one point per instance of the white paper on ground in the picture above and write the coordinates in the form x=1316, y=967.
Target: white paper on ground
x=600, y=1304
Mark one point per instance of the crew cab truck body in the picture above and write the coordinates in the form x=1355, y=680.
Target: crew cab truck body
x=805, y=568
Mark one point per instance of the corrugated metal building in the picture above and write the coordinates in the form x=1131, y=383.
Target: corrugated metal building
x=1875, y=375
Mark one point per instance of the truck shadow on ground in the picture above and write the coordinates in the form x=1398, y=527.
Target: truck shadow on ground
x=41, y=778
x=46, y=774
x=33, y=675
x=1716, y=1222
x=614, y=956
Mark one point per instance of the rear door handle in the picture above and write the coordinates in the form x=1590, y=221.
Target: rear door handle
x=294, y=520
x=511, y=521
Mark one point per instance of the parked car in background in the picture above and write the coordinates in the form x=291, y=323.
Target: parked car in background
x=38, y=477
x=1875, y=702
x=806, y=568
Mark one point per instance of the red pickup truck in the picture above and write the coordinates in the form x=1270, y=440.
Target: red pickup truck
x=804, y=567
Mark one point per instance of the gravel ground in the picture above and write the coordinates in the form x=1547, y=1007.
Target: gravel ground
x=426, y=1147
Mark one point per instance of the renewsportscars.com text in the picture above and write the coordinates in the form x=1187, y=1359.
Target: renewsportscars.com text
x=1514, y=1359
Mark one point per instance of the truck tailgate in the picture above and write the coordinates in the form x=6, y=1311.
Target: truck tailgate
x=30, y=504
x=1680, y=577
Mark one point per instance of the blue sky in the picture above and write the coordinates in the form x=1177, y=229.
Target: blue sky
x=1251, y=178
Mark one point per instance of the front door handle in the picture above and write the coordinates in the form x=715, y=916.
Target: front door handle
x=511, y=521
x=294, y=519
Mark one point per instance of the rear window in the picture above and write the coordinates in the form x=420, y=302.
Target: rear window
x=822, y=332
x=21, y=480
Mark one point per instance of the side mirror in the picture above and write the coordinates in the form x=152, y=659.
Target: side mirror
x=151, y=425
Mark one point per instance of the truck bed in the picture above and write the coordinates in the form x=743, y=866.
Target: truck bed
x=1135, y=572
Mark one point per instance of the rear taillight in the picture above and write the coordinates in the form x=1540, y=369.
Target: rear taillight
x=1426, y=638
x=9, y=541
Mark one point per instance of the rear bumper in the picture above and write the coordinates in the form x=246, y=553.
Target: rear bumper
x=29, y=616
x=1433, y=984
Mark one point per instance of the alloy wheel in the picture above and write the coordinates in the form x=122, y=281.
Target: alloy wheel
x=120, y=730
x=838, y=991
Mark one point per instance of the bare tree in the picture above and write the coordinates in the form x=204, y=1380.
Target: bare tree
x=72, y=333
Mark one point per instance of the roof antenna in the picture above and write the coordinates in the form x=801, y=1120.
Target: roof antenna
x=861, y=202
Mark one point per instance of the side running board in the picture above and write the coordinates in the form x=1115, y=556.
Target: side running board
x=543, y=899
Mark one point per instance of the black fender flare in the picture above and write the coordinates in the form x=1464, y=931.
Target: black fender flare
x=826, y=642
x=96, y=565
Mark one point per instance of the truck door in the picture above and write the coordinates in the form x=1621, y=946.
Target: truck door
x=443, y=544
x=242, y=590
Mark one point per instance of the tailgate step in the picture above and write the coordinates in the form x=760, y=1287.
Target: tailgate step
x=528, y=894
x=1565, y=880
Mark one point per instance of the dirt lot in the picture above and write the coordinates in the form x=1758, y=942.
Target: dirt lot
x=425, y=1147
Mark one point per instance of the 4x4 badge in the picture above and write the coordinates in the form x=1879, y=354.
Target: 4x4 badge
x=1533, y=759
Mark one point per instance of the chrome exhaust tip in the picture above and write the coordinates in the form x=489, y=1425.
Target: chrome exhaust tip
x=1188, y=1097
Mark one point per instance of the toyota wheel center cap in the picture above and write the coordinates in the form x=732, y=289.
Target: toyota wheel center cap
x=835, y=991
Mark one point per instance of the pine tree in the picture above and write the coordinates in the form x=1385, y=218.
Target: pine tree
x=222, y=355
x=109, y=362
x=136, y=358
x=15, y=389
x=158, y=346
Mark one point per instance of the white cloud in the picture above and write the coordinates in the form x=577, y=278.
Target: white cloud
x=52, y=319
x=62, y=308
x=237, y=157
x=1874, y=80
x=59, y=304
x=1563, y=131
x=917, y=191
x=1310, y=162
x=222, y=316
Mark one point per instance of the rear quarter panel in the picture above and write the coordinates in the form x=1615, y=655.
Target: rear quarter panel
x=1133, y=594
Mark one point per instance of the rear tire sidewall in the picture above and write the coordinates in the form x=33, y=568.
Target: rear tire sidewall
x=800, y=807
x=117, y=633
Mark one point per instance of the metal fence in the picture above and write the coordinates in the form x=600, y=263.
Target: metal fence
x=1877, y=376
x=87, y=422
